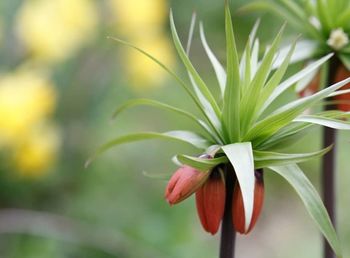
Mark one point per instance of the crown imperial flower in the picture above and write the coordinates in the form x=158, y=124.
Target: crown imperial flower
x=241, y=131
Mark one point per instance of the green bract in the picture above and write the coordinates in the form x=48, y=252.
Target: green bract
x=324, y=24
x=242, y=127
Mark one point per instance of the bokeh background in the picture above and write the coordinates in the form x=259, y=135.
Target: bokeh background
x=61, y=79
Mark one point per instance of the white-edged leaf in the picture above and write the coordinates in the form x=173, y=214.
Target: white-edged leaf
x=312, y=202
x=230, y=113
x=149, y=102
x=169, y=71
x=254, y=60
x=190, y=68
x=304, y=49
x=218, y=68
x=192, y=138
x=240, y=156
x=264, y=159
x=324, y=121
x=200, y=163
x=285, y=114
x=292, y=80
x=253, y=93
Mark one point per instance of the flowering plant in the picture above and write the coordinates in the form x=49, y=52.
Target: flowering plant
x=241, y=133
x=325, y=27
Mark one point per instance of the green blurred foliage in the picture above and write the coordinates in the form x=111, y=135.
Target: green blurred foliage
x=111, y=209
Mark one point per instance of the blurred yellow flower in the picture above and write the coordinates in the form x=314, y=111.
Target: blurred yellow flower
x=26, y=97
x=133, y=16
x=143, y=72
x=37, y=151
x=53, y=29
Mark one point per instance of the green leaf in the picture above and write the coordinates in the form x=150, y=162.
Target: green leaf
x=292, y=80
x=304, y=49
x=323, y=15
x=253, y=94
x=264, y=159
x=218, y=68
x=240, y=156
x=183, y=136
x=148, y=102
x=312, y=202
x=324, y=121
x=200, y=163
x=192, y=71
x=230, y=113
x=177, y=78
x=273, y=81
x=285, y=114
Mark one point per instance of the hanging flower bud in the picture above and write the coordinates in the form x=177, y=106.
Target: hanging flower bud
x=185, y=181
x=343, y=73
x=238, y=215
x=210, y=202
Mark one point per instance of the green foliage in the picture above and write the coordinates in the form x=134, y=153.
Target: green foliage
x=316, y=20
x=242, y=127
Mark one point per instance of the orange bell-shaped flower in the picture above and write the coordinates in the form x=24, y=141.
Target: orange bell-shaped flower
x=210, y=202
x=185, y=181
x=238, y=215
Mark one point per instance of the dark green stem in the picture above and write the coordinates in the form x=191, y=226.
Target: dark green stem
x=228, y=234
x=328, y=162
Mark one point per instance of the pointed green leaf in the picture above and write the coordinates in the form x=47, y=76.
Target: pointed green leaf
x=240, y=156
x=324, y=121
x=177, y=78
x=230, y=113
x=190, y=68
x=264, y=159
x=312, y=202
x=275, y=79
x=218, y=68
x=149, y=102
x=292, y=80
x=285, y=114
x=253, y=94
x=304, y=49
x=183, y=136
x=200, y=163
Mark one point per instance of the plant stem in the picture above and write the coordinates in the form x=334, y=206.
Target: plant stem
x=328, y=162
x=228, y=234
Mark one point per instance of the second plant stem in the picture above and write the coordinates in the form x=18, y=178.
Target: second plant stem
x=328, y=162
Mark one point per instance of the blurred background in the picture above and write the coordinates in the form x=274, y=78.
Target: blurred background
x=61, y=78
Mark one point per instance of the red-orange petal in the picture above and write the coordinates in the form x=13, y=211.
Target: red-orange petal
x=210, y=202
x=238, y=215
x=185, y=181
x=342, y=74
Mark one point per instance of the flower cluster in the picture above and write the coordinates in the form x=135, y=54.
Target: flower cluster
x=210, y=190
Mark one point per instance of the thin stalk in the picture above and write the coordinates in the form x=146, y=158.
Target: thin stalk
x=328, y=161
x=228, y=234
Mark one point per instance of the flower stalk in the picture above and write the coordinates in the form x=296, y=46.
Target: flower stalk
x=328, y=160
x=228, y=234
